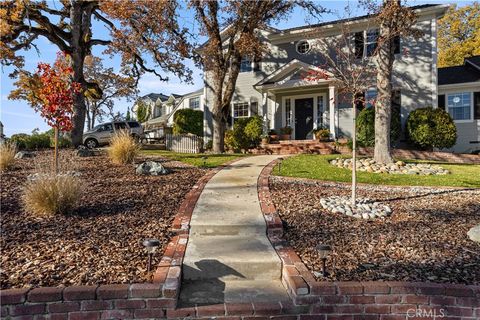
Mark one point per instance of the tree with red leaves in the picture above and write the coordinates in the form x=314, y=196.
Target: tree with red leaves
x=51, y=92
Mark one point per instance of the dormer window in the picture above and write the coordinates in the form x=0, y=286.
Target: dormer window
x=303, y=47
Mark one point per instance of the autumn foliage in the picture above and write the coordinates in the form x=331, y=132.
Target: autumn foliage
x=56, y=93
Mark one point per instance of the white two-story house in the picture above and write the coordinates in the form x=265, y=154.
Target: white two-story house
x=275, y=89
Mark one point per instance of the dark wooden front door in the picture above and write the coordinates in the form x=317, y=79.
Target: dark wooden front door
x=303, y=117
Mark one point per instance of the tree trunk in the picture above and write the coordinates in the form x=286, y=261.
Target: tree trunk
x=383, y=105
x=354, y=153
x=56, y=151
x=218, y=134
x=80, y=22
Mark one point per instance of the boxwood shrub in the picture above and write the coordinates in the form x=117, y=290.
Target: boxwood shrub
x=188, y=121
x=366, y=127
x=429, y=128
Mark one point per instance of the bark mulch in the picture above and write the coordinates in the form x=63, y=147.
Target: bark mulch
x=100, y=242
x=425, y=238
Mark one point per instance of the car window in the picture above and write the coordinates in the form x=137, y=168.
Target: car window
x=120, y=126
x=133, y=124
x=107, y=127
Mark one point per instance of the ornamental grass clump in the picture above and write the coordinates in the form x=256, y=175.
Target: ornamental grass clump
x=123, y=148
x=7, y=155
x=50, y=194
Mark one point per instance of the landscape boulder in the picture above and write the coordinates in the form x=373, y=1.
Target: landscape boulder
x=85, y=153
x=151, y=168
x=24, y=155
x=474, y=233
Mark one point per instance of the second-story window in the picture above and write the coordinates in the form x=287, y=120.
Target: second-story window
x=371, y=43
x=366, y=43
x=194, y=103
x=246, y=65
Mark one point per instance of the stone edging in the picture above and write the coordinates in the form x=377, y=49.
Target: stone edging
x=352, y=299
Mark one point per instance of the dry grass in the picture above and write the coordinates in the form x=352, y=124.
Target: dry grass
x=7, y=155
x=123, y=148
x=52, y=194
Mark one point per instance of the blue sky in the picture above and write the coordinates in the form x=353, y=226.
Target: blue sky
x=18, y=116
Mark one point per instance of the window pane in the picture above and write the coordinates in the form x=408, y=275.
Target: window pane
x=370, y=97
x=246, y=65
x=240, y=110
x=459, y=105
x=288, y=113
x=320, y=111
x=194, y=103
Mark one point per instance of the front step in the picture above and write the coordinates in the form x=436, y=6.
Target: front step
x=231, y=258
x=214, y=291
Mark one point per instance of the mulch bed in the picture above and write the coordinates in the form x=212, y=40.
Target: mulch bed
x=425, y=239
x=100, y=242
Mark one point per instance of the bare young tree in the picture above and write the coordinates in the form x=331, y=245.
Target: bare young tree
x=351, y=71
x=232, y=31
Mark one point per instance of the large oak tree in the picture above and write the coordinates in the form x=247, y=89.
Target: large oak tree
x=137, y=28
x=232, y=31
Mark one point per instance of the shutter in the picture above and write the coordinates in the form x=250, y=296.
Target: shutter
x=396, y=45
x=254, y=108
x=476, y=105
x=441, y=102
x=359, y=44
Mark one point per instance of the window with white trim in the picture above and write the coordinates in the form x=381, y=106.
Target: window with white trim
x=371, y=43
x=194, y=103
x=460, y=105
x=288, y=113
x=240, y=110
x=320, y=110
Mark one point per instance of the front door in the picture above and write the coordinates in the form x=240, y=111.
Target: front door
x=303, y=118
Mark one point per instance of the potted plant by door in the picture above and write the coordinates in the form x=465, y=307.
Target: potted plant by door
x=285, y=133
x=265, y=139
x=322, y=134
x=273, y=135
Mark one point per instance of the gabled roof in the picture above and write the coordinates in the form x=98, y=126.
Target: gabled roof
x=288, y=69
x=468, y=72
x=318, y=25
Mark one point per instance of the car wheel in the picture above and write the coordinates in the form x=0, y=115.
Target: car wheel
x=91, y=143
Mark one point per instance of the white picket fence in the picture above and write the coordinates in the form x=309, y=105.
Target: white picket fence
x=183, y=143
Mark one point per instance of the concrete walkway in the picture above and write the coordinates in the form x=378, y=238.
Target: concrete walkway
x=229, y=257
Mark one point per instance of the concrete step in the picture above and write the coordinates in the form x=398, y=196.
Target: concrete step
x=205, y=292
x=231, y=258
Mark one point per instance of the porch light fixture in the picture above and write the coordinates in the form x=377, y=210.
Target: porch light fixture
x=151, y=246
x=323, y=252
x=280, y=160
x=204, y=158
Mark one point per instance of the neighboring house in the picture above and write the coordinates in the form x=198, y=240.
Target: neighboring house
x=163, y=107
x=459, y=95
x=275, y=89
x=160, y=107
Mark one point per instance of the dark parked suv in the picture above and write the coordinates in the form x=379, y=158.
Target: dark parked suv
x=101, y=134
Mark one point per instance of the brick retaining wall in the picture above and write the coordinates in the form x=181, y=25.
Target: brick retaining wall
x=310, y=299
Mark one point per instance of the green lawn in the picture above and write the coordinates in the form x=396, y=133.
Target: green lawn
x=317, y=167
x=212, y=161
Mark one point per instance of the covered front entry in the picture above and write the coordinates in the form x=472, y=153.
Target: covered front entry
x=303, y=117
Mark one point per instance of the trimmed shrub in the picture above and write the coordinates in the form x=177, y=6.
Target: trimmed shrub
x=7, y=155
x=254, y=129
x=246, y=133
x=52, y=194
x=366, y=127
x=19, y=139
x=123, y=149
x=63, y=139
x=188, y=121
x=31, y=142
x=429, y=128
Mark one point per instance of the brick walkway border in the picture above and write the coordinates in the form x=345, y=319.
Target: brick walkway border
x=310, y=299
x=383, y=300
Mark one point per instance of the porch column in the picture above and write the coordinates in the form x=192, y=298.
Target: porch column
x=332, y=98
x=265, y=112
